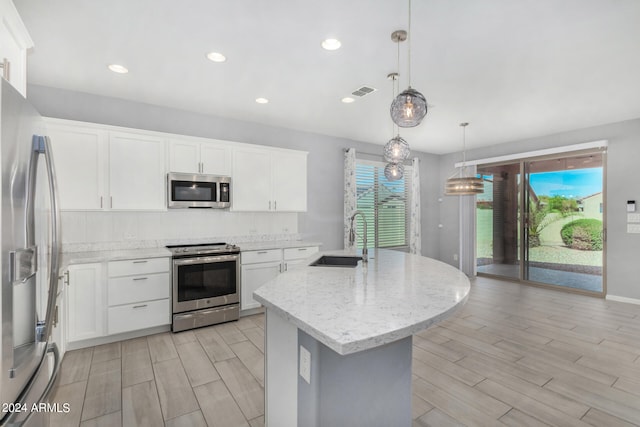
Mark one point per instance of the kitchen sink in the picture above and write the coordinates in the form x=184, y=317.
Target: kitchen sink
x=336, y=261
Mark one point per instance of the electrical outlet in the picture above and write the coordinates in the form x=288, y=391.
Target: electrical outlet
x=305, y=364
x=455, y=257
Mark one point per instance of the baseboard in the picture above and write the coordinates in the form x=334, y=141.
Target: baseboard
x=623, y=299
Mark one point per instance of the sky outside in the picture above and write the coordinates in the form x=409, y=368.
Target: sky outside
x=576, y=183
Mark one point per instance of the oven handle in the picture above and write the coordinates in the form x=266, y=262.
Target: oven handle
x=205, y=259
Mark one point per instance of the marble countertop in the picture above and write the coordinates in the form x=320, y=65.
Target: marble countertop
x=69, y=258
x=355, y=309
x=85, y=257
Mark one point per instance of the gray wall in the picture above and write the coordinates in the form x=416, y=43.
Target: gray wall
x=623, y=157
x=323, y=221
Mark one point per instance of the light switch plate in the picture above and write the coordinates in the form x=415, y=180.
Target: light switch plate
x=633, y=217
x=633, y=228
x=305, y=364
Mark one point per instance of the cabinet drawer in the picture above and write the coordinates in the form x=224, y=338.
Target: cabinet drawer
x=269, y=255
x=130, y=289
x=131, y=267
x=142, y=315
x=299, y=253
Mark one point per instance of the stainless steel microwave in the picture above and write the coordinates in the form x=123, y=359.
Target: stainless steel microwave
x=185, y=190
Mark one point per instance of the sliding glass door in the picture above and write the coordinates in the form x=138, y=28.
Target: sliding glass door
x=498, y=221
x=541, y=220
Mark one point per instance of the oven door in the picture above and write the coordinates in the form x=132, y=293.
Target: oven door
x=205, y=281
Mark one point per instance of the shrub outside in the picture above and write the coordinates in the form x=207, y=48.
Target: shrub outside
x=584, y=234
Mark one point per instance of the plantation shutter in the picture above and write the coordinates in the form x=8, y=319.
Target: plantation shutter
x=385, y=204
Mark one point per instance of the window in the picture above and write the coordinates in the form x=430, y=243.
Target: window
x=384, y=203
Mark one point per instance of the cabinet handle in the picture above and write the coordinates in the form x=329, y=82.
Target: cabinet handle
x=286, y=267
x=66, y=275
x=302, y=249
x=262, y=252
x=111, y=202
x=140, y=262
x=269, y=204
x=275, y=205
x=140, y=278
x=100, y=202
x=139, y=306
x=6, y=69
x=55, y=317
x=280, y=268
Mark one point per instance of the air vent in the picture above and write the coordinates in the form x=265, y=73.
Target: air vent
x=363, y=90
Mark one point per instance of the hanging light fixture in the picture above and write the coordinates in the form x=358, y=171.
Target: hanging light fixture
x=410, y=106
x=397, y=149
x=394, y=171
x=460, y=184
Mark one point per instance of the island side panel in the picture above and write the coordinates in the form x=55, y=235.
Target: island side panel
x=281, y=372
x=369, y=388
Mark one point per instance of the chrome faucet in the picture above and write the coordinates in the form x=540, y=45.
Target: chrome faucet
x=352, y=236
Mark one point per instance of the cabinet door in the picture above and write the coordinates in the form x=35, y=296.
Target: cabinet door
x=85, y=302
x=254, y=276
x=137, y=178
x=14, y=42
x=290, y=181
x=216, y=159
x=251, y=186
x=184, y=156
x=79, y=155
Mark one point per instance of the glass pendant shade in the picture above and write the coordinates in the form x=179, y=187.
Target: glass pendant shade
x=408, y=108
x=396, y=150
x=464, y=186
x=394, y=171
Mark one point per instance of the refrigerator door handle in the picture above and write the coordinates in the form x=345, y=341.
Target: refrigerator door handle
x=42, y=145
x=55, y=236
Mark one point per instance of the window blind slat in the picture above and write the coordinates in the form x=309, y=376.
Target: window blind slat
x=384, y=203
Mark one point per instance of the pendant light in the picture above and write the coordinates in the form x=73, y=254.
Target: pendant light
x=397, y=149
x=394, y=171
x=410, y=106
x=459, y=184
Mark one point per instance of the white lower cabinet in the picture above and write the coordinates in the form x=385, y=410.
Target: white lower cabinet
x=85, y=302
x=258, y=267
x=138, y=294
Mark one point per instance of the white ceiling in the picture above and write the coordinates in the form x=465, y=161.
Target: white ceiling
x=514, y=69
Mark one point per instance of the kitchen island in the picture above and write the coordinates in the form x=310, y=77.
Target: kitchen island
x=348, y=331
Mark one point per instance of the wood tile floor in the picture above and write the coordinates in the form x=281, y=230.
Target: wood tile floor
x=513, y=355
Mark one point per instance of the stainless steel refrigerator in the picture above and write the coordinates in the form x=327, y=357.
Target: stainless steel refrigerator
x=30, y=232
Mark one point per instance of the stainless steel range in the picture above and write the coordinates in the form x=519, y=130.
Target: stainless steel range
x=206, y=284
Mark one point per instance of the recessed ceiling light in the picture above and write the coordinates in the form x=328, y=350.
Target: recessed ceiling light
x=262, y=100
x=216, y=57
x=116, y=68
x=347, y=100
x=331, y=44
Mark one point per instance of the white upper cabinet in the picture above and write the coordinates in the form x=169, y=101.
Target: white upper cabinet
x=289, y=181
x=79, y=155
x=137, y=179
x=251, y=180
x=191, y=156
x=269, y=180
x=14, y=42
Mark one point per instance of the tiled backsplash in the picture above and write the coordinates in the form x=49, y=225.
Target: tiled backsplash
x=127, y=230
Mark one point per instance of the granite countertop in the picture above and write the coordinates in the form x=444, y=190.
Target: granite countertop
x=355, y=309
x=275, y=244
